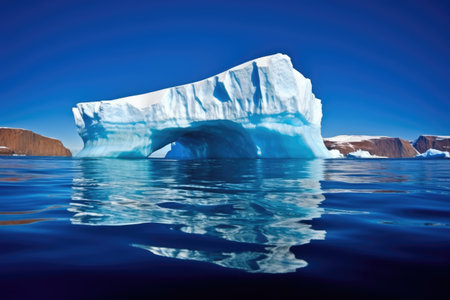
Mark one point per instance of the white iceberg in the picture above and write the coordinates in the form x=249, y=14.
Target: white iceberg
x=433, y=153
x=335, y=153
x=262, y=108
x=362, y=154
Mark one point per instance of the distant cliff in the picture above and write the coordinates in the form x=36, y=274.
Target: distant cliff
x=26, y=142
x=375, y=145
x=425, y=142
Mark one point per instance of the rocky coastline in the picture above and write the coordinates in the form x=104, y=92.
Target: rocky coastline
x=15, y=141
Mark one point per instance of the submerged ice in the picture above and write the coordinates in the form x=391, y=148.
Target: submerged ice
x=262, y=108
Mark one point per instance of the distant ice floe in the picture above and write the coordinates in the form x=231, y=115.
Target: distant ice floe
x=433, y=153
x=335, y=153
x=362, y=154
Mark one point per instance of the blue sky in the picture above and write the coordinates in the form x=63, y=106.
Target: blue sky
x=380, y=67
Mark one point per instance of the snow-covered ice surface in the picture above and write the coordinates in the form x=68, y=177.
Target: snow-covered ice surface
x=362, y=154
x=262, y=108
x=433, y=153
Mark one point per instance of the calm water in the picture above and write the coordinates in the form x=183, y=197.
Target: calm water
x=97, y=228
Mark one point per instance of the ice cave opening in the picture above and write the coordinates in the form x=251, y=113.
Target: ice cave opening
x=218, y=139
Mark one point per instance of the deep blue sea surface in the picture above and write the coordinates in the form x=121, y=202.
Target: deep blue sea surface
x=221, y=229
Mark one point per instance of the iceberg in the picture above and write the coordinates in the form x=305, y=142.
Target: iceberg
x=362, y=154
x=335, y=153
x=433, y=153
x=262, y=108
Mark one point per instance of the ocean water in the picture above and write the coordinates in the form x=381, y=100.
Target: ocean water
x=216, y=229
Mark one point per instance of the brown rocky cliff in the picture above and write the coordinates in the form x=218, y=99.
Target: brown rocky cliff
x=5, y=151
x=26, y=142
x=425, y=142
x=384, y=146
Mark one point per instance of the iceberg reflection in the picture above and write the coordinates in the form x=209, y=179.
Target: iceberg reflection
x=256, y=204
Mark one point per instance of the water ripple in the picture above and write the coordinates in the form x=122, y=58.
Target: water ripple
x=261, y=205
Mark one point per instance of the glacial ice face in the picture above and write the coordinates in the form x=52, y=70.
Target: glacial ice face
x=262, y=108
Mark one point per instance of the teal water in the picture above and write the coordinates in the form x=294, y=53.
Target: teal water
x=113, y=227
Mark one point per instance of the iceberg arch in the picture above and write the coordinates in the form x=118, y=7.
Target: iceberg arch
x=262, y=108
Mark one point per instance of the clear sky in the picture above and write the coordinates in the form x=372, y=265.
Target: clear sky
x=380, y=67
